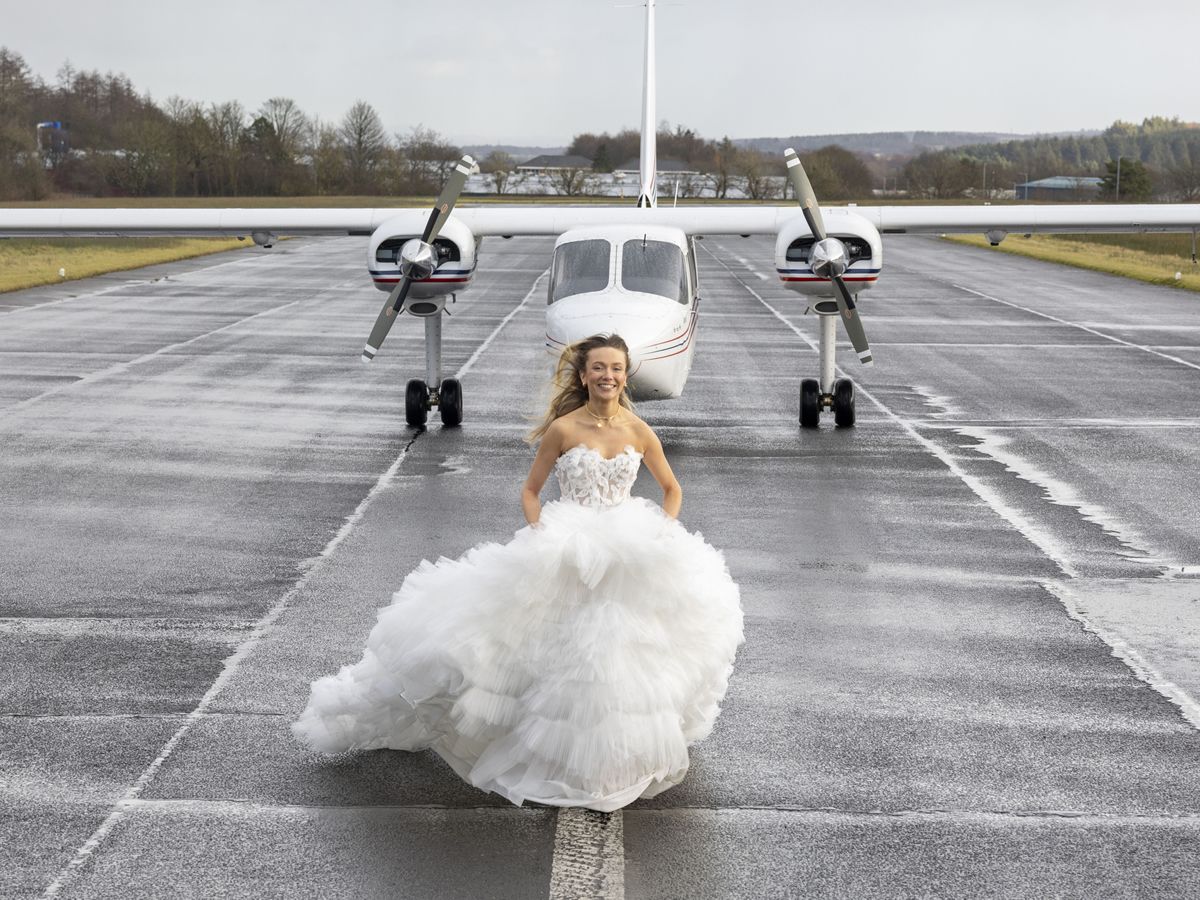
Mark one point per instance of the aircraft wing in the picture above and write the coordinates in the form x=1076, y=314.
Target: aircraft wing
x=554, y=220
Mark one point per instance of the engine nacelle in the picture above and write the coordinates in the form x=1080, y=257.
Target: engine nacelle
x=457, y=250
x=794, y=255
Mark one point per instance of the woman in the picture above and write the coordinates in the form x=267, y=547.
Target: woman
x=573, y=665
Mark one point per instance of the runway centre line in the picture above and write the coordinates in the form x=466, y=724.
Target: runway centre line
x=588, y=860
x=1141, y=669
x=589, y=855
x=130, y=799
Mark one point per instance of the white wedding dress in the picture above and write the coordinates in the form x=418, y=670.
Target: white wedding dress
x=571, y=666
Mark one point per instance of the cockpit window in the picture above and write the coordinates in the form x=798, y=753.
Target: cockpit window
x=580, y=267
x=654, y=267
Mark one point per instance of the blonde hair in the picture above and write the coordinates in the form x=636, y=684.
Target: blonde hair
x=569, y=392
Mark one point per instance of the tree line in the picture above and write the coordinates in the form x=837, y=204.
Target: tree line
x=1160, y=158
x=118, y=142
x=722, y=166
x=121, y=143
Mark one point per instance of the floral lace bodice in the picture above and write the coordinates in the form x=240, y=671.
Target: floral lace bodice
x=585, y=476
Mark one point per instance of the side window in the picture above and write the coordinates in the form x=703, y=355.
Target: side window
x=691, y=260
x=580, y=267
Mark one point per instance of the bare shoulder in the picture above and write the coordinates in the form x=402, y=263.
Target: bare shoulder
x=563, y=431
x=647, y=439
x=556, y=434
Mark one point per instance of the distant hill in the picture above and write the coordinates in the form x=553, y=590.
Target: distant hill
x=891, y=143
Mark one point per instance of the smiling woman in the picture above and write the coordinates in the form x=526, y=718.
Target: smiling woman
x=29, y=263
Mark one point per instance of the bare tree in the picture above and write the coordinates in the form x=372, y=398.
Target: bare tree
x=570, y=182
x=22, y=176
x=758, y=177
x=1183, y=181
x=226, y=123
x=16, y=87
x=328, y=159
x=283, y=132
x=503, y=169
x=364, y=145
x=725, y=161
x=426, y=159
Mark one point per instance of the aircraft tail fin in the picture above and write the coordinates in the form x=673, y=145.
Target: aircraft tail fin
x=648, y=192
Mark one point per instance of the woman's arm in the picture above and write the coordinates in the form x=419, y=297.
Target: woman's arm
x=548, y=451
x=656, y=462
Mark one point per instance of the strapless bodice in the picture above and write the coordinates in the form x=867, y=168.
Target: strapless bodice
x=586, y=476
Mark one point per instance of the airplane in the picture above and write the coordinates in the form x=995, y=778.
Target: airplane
x=629, y=270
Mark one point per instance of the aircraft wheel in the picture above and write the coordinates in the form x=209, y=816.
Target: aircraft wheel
x=843, y=402
x=450, y=402
x=810, y=403
x=416, y=402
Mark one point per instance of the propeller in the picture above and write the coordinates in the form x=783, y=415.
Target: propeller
x=418, y=257
x=828, y=258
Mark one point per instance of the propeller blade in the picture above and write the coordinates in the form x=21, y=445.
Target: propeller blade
x=852, y=321
x=805, y=194
x=437, y=218
x=383, y=323
x=449, y=196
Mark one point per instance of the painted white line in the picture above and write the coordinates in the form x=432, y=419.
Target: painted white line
x=589, y=855
x=1088, y=329
x=87, y=296
x=1035, y=535
x=129, y=800
x=487, y=342
x=996, y=446
x=1121, y=649
x=130, y=363
x=261, y=628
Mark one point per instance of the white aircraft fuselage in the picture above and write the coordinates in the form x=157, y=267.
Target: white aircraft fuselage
x=636, y=282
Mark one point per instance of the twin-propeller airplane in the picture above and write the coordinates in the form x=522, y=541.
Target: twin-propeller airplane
x=626, y=270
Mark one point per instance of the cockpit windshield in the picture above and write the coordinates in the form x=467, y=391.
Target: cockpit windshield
x=654, y=267
x=580, y=267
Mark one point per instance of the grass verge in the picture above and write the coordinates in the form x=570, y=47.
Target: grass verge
x=1155, y=259
x=29, y=262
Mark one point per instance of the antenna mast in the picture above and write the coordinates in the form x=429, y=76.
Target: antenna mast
x=648, y=194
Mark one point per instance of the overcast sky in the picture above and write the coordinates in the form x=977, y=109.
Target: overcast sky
x=539, y=71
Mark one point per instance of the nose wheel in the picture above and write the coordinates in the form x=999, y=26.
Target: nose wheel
x=419, y=400
x=813, y=402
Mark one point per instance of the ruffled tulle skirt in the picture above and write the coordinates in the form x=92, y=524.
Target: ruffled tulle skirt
x=571, y=666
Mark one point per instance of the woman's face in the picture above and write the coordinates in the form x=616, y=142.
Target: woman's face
x=604, y=373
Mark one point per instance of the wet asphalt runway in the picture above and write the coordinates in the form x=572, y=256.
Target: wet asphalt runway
x=972, y=621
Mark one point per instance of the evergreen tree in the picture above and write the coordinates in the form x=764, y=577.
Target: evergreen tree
x=1126, y=180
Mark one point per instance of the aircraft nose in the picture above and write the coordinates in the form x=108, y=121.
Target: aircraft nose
x=641, y=334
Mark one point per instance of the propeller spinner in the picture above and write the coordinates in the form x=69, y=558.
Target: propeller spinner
x=418, y=257
x=828, y=257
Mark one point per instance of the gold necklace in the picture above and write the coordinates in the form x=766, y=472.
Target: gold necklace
x=602, y=421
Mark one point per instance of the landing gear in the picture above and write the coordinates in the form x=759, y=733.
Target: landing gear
x=447, y=396
x=843, y=402
x=810, y=403
x=827, y=393
x=416, y=403
x=450, y=402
